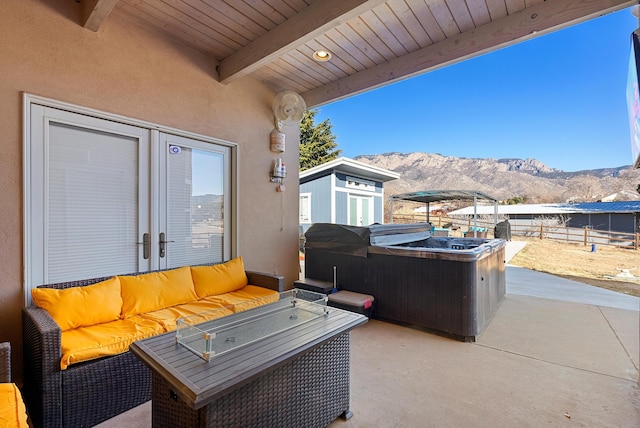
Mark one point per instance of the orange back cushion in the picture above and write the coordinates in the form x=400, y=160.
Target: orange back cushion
x=219, y=279
x=157, y=290
x=81, y=306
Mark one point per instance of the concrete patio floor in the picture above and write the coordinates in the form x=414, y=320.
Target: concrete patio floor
x=557, y=353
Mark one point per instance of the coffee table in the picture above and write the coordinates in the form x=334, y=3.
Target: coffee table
x=280, y=374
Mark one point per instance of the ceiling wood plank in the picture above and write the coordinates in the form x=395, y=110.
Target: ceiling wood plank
x=350, y=33
x=429, y=23
x=534, y=21
x=497, y=9
x=514, y=6
x=175, y=23
x=348, y=45
x=406, y=16
x=461, y=15
x=277, y=81
x=196, y=21
x=373, y=39
x=341, y=58
x=155, y=24
x=444, y=18
x=225, y=16
x=285, y=69
x=479, y=12
x=396, y=26
x=95, y=12
x=297, y=30
x=385, y=33
x=530, y=3
x=307, y=65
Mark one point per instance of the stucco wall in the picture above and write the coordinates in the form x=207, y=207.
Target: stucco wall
x=125, y=69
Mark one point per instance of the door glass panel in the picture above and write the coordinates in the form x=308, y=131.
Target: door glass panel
x=353, y=211
x=195, y=206
x=92, y=191
x=365, y=212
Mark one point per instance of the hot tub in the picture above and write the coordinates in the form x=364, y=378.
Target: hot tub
x=447, y=285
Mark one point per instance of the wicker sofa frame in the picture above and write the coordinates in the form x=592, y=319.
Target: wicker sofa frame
x=88, y=393
x=5, y=362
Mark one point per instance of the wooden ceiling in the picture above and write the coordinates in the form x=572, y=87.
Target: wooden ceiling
x=372, y=42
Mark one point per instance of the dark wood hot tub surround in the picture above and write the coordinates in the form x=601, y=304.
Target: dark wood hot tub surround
x=449, y=292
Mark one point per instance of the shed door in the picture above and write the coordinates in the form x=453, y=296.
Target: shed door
x=360, y=210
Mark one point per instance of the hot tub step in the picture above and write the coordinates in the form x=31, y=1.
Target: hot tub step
x=315, y=285
x=354, y=302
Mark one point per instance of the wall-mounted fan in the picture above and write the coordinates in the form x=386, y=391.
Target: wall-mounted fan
x=288, y=108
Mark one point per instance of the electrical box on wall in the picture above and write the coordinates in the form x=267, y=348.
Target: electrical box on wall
x=277, y=141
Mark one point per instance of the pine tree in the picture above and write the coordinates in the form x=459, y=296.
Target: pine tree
x=317, y=142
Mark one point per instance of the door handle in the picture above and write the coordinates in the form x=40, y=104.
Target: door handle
x=163, y=241
x=146, y=245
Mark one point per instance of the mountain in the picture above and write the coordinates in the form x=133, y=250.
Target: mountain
x=504, y=178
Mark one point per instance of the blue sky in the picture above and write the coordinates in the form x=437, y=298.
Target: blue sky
x=558, y=98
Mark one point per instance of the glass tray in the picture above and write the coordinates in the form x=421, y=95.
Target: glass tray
x=209, y=335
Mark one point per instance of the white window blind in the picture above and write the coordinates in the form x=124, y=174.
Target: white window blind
x=92, y=204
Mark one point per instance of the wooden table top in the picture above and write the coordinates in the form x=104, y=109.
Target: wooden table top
x=199, y=382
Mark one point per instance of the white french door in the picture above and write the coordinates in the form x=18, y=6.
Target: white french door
x=360, y=210
x=104, y=197
x=195, y=192
x=88, y=197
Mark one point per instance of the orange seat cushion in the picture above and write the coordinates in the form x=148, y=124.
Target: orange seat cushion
x=112, y=338
x=13, y=413
x=250, y=296
x=206, y=311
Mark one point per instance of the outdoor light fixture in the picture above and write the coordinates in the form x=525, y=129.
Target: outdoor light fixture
x=322, y=55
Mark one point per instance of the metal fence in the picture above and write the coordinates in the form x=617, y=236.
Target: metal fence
x=586, y=236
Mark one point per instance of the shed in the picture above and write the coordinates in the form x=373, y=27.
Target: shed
x=343, y=191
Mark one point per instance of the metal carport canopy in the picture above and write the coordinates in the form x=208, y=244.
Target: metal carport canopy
x=428, y=196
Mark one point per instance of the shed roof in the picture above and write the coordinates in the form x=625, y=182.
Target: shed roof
x=349, y=166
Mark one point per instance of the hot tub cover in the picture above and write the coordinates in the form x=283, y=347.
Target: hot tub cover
x=338, y=238
x=354, y=240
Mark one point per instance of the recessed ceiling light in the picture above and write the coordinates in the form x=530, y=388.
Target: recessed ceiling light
x=322, y=55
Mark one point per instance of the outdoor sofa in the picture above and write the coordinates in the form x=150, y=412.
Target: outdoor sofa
x=78, y=370
x=12, y=410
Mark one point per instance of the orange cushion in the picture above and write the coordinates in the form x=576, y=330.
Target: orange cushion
x=13, y=413
x=168, y=317
x=157, y=290
x=81, y=306
x=220, y=278
x=112, y=338
x=247, y=297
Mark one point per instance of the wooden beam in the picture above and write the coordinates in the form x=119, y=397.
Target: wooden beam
x=534, y=21
x=313, y=21
x=95, y=12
